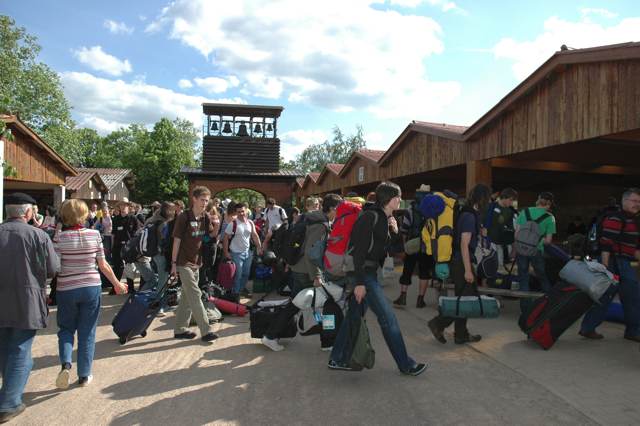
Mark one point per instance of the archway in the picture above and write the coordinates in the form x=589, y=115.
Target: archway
x=249, y=196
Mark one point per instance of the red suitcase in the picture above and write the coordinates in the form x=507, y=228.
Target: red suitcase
x=226, y=274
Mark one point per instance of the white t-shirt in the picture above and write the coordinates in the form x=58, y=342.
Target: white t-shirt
x=241, y=242
x=275, y=216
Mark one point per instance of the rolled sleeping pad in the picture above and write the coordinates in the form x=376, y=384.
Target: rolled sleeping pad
x=229, y=307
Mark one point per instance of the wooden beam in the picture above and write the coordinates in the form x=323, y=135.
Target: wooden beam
x=478, y=171
x=559, y=166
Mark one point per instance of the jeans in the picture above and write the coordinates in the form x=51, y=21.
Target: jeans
x=386, y=319
x=629, y=289
x=537, y=262
x=243, y=269
x=301, y=281
x=78, y=310
x=147, y=273
x=190, y=303
x=15, y=365
x=106, y=244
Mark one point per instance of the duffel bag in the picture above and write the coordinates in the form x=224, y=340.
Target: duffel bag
x=591, y=277
x=263, y=313
x=469, y=307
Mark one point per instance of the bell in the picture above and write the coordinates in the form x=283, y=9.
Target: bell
x=227, y=128
x=269, y=128
x=242, y=130
x=257, y=129
x=214, y=126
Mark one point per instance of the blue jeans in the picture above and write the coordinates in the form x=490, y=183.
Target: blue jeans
x=386, y=319
x=629, y=289
x=243, y=268
x=78, y=310
x=147, y=273
x=15, y=365
x=163, y=275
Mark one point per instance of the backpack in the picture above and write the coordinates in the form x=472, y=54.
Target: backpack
x=131, y=250
x=334, y=255
x=294, y=239
x=441, y=211
x=278, y=239
x=149, y=244
x=417, y=223
x=332, y=317
x=529, y=235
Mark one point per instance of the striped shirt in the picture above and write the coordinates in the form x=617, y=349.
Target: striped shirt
x=620, y=235
x=78, y=250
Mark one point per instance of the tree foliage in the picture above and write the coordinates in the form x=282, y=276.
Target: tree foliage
x=338, y=150
x=250, y=197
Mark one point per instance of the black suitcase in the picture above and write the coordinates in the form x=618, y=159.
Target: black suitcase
x=551, y=314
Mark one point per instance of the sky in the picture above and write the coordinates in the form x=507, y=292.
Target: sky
x=375, y=63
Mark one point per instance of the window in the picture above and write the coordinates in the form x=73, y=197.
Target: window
x=91, y=195
x=90, y=184
x=361, y=174
x=121, y=184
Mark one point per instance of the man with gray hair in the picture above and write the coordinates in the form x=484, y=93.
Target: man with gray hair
x=27, y=259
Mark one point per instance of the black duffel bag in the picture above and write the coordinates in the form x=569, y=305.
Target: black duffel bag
x=263, y=313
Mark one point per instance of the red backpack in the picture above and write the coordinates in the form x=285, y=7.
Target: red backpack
x=338, y=241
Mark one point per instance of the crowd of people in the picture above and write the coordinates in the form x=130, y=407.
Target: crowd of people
x=81, y=248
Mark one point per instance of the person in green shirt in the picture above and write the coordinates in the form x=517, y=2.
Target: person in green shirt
x=547, y=228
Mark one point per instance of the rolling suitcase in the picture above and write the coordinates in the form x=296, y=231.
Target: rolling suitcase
x=552, y=314
x=137, y=314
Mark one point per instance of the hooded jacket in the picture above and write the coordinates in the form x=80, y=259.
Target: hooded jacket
x=317, y=229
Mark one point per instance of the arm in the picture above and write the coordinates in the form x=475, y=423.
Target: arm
x=465, y=239
x=174, y=254
x=51, y=258
x=315, y=232
x=605, y=258
x=105, y=268
x=256, y=239
x=225, y=246
x=361, y=236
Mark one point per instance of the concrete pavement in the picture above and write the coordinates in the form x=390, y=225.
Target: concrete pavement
x=501, y=380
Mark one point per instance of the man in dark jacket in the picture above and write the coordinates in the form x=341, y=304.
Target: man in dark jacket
x=125, y=227
x=369, y=238
x=305, y=274
x=27, y=259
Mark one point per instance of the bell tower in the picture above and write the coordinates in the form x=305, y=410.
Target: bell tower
x=240, y=138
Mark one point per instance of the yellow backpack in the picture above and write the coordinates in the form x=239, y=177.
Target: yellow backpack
x=437, y=233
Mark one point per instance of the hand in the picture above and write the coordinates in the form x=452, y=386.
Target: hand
x=173, y=272
x=393, y=224
x=317, y=282
x=120, y=288
x=260, y=251
x=226, y=256
x=360, y=292
x=469, y=277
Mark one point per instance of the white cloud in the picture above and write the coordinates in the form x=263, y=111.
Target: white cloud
x=105, y=104
x=444, y=5
x=117, y=27
x=318, y=55
x=294, y=142
x=184, y=83
x=376, y=140
x=586, y=11
x=97, y=59
x=528, y=55
x=216, y=84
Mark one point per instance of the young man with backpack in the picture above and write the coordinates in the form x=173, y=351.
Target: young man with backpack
x=499, y=223
x=124, y=227
x=411, y=229
x=186, y=260
x=237, y=247
x=619, y=245
x=155, y=228
x=274, y=214
x=305, y=272
x=535, y=227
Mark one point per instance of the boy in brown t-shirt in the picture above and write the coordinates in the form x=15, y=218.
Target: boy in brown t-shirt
x=190, y=227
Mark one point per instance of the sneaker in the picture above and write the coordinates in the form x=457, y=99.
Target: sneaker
x=272, y=344
x=335, y=366
x=592, y=335
x=420, y=302
x=470, y=338
x=437, y=333
x=5, y=416
x=209, y=337
x=85, y=381
x=185, y=335
x=416, y=370
x=326, y=348
x=401, y=301
x=62, y=382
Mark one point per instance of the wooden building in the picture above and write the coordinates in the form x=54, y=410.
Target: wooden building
x=87, y=185
x=118, y=183
x=36, y=169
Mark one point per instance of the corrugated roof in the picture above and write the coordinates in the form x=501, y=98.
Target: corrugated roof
x=335, y=167
x=74, y=183
x=314, y=176
x=372, y=154
x=111, y=177
x=300, y=181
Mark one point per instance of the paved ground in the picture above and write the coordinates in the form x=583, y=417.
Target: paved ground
x=501, y=380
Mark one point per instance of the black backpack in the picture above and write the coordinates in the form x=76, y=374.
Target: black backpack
x=293, y=243
x=417, y=222
x=131, y=250
x=332, y=317
x=149, y=244
x=278, y=239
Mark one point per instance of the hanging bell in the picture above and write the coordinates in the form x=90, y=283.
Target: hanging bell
x=257, y=129
x=214, y=126
x=227, y=128
x=269, y=128
x=242, y=130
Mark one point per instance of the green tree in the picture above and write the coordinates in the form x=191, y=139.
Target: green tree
x=338, y=150
x=249, y=196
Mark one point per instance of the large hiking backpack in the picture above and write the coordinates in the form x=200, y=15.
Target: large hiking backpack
x=529, y=235
x=293, y=247
x=131, y=249
x=417, y=222
x=338, y=241
x=149, y=244
x=278, y=239
x=441, y=211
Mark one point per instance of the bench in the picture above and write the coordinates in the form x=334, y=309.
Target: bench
x=445, y=288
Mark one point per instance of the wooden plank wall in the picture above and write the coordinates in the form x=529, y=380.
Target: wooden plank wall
x=371, y=173
x=31, y=163
x=578, y=102
x=330, y=183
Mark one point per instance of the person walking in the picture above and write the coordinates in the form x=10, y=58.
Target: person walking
x=499, y=221
x=79, y=289
x=467, y=231
x=158, y=222
x=124, y=228
x=186, y=260
x=27, y=259
x=369, y=237
x=619, y=246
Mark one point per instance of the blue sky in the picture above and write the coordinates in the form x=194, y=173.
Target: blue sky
x=378, y=63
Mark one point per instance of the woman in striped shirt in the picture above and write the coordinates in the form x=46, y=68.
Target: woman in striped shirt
x=79, y=289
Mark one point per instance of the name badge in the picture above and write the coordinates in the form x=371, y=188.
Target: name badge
x=120, y=228
x=328, y=322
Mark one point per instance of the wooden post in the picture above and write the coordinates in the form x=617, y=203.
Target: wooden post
x=478, y=172
x=1, y=180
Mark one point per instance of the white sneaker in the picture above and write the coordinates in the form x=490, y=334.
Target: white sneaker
x=326, y=349
x=62, y=382
x=84, y=381
x=272, y=344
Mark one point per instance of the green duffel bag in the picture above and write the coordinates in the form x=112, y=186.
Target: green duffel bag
x=469, y=306
x=362, y=353
x=412, y=246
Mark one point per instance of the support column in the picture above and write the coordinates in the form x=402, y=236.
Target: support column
x=1, y=180
x=478, y=171
x=59, y=195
